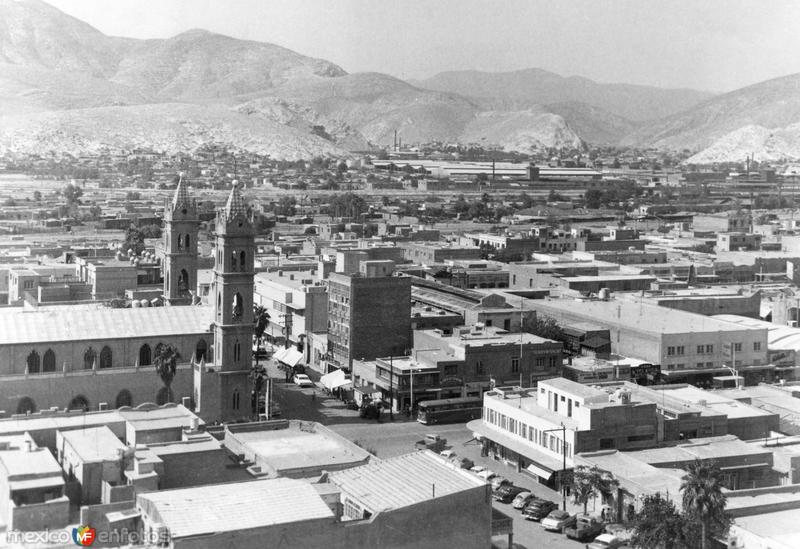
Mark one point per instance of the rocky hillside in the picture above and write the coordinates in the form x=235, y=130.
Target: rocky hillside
x=526, y=88
x=758, y=142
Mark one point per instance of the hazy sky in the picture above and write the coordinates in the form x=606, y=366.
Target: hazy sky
x=715, y=45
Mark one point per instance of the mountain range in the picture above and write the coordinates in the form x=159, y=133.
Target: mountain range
x=65, y=87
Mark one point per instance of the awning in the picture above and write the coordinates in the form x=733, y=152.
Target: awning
x=539, y=471
x=523, y=448
x=335, y=379
x=289, y=356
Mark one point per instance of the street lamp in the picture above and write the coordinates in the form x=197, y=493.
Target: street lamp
x=563, y=430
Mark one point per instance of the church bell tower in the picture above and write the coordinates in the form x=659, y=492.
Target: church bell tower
x=223, y=387
x=181, y=223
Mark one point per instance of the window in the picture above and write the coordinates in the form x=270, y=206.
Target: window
x=145, y=355
x=236, y=307
x=242, y=261
x=33, y=362
x=235, y=403
x=699, y=364
x=105, y=357
x=700, y=349
x=187, y=242
x=233, y=260
x=514, y=365
x=709, y=349
x=237, y=351
x=737, y=347
x=28, y=284
x=479, y=368
x=709, y=364
x=540, y=362
x=49, y=361
x=680, y=366
x=756, y=345
x=88, y=358
x=670, y=351
x=451, y=369
x=679, y=350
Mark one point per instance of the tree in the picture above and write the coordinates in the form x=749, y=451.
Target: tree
x=589, y=482
x=37, y=196
x=658, y=525
x=287, y=205
x=703, y=499
x=134, y=240
x=151, y=231
x=593, y=198
x=72, y=194
x=547, y=328
x=261, y=318
x=166, y=363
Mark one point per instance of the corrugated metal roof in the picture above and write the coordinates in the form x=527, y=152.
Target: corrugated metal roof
x=235, y=506
x=106, y=323
x=403, y=481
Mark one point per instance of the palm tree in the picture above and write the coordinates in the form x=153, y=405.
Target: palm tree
x=166, y=363
x=703, y=499
x=261, y=318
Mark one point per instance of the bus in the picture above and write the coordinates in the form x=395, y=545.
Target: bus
x=449, y=410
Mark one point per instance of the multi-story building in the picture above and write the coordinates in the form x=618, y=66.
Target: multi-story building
x=724, y=222
x=542, y=429
x=369, y=314
x=297, y=304
x=688, y=347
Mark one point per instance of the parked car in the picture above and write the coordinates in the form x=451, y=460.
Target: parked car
x=302, y=380
x=539, y=509
x=606, y=541
x=351, y=405
x=586, y=527
x=477, y=468
x=447, y=454
x=486, y=474
x=431, y=442
x=499, y=481
x=465, y=463
x=558, y=521
x=507, y=493
x=522, y=499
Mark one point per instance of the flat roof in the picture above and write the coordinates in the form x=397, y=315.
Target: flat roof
x=39, y=463
x=528, y=402
x=235, y=506
x=300, y=444
x=404, y=480
x=711, y=399
x=94, y=443
x=46, y=421
x=574, y=388
x=700, y=448
x=635, y=475
x=777, y=526
x=643, y=316
x=147, y=418
x=66, y=324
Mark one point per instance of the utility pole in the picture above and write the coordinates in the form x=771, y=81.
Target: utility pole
x=562, y=481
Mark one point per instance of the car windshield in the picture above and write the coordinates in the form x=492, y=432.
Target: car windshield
x=559, y=514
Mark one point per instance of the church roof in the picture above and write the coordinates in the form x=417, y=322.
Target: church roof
x=102, y=323
x=181, y=194
x=235, y=205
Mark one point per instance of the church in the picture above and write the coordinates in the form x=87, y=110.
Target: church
x=90, y=357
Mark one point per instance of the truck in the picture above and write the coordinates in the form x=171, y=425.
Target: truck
x=431, y=442
x=586, y=527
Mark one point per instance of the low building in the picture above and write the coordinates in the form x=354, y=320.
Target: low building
x=31, y=486
x=93, y=457
x=541, y=430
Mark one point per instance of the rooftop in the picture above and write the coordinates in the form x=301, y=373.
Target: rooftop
x=94, y=444
x=66, y=324
x=234, y=506
x=295, y=445
x=403, y=481
x=48, y=421
x=700, y=448
x=587, y=392
x=149, y=417
x=644, y=316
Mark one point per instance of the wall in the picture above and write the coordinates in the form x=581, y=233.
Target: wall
x=182, y=470
x=58, y=390
x=39, y=516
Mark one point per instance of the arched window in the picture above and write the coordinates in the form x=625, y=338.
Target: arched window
x=200, y=350
x=237, y=351
x=235, y=400
x=105, y=357
x=162, y=397
x=183, y=282
x=186, y=240
x=26, y=405
x=236, y=310
x=219, y=303
x=33, y=362
x=180, y=242
x=145, y=356
x=88, y=358
x=233, y=260
x=80, y=402
x=49, y=361
x=124, y=398
x=242, y=261
x=167, y=279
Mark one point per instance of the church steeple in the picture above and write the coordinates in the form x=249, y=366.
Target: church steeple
x=179, y=268
x=224, y=388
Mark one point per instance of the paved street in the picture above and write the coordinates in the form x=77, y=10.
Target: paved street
x=393, y=438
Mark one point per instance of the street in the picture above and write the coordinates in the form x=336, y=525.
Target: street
x=393, y=438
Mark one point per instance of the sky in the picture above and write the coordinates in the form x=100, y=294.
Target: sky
x=711, y=45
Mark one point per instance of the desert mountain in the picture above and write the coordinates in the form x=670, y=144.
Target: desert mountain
x=526, y=88
x=774, y=104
